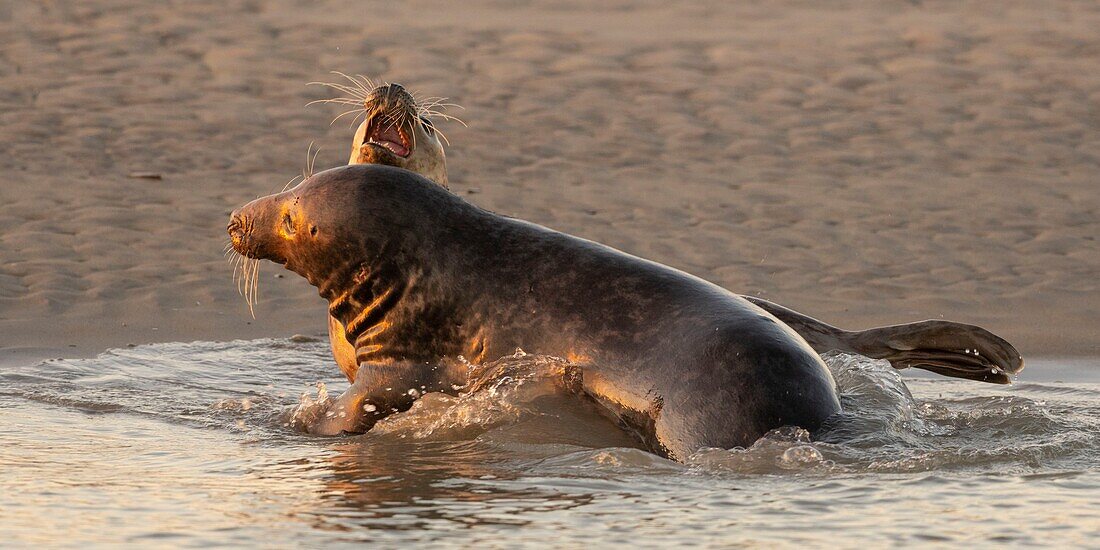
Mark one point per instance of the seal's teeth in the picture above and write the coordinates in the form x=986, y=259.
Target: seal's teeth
x=395, y=148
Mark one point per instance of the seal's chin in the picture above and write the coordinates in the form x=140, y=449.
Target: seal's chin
x=391, y=137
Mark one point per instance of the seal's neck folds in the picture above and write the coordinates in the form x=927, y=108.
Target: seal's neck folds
x=364, y=303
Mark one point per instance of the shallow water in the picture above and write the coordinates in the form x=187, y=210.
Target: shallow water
x=193, y=444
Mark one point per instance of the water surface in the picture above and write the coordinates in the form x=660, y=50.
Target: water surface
x=194, y=444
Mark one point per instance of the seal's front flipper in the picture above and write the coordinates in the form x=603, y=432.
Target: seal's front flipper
x=380, y=389
x=943, y=347
x=344, y=414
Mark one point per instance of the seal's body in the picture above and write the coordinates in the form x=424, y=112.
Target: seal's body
x=397, y=131
x=418, y=277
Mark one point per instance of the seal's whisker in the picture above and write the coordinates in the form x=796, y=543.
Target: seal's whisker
x=357, y=83
x=437, y=114
x=237, y=274
x=430, y=112
x=345, y=113
x=353, y=92
x=336, y=100
x=245, y=272
x=340, y=99
x=248, y=283
x=435, y=111
x=366, y=83
x=444, y=136
x=255, y=288
x=289, y=183
x=438, y=102
x=366, y=88
x=355, y=119
x=356, y=90
x=389, y=117
x=310, y=161
x=306, y=172
x=241, y=266
x=243, y=278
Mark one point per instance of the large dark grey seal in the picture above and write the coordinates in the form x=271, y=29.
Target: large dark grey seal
x=418, y=278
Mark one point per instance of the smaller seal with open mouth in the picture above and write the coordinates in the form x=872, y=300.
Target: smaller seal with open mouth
x=397, y=128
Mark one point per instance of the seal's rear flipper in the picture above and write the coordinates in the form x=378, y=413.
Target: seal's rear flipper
x=943, y=347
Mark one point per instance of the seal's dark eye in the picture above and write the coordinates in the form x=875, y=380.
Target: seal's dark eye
x=313, y=231
x=428, y=126
x=288, y=224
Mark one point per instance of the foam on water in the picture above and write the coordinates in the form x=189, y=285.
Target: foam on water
x=203, y=442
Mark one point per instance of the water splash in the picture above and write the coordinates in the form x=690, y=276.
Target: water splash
x=884, y=428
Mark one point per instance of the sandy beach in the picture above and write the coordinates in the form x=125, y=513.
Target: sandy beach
x=865, y=163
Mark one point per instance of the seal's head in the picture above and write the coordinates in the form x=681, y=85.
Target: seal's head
x=397, y=129
x=341, y=226
x=395, y=133
x=302, y=228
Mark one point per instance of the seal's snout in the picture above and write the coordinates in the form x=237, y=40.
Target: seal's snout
x=393, y=91
x=236, y=229
x=254, y=231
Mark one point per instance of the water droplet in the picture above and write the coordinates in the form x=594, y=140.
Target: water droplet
x=801, y=455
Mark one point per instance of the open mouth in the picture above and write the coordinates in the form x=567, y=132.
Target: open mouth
x=391, y=137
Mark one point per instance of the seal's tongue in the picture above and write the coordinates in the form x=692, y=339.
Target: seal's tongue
x=391, y=138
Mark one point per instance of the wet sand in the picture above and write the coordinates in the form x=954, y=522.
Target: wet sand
x=866, y=163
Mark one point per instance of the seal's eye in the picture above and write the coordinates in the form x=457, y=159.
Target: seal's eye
x=313, y=231
x=428, y=126
x=288, y=224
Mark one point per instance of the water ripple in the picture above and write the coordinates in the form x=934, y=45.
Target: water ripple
x=191, y=443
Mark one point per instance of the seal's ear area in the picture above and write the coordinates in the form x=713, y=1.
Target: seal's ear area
x=943, y=347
